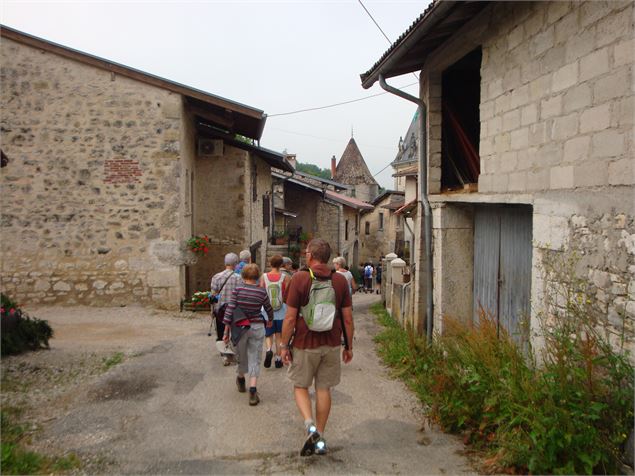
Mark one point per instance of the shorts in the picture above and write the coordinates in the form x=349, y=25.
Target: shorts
x=321, y=364
x=276, y=328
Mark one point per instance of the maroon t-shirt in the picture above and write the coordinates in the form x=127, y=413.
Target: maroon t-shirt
x=298, y=296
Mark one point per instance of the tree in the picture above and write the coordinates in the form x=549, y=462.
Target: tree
x=313, y=169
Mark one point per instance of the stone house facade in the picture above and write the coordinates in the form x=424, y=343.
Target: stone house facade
x=110, y=170
x=381, y=228
x=317, y=207
x=529, y=152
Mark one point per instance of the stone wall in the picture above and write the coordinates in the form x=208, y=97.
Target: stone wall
x=220, y=201
x=92, y=198
x=328, y=225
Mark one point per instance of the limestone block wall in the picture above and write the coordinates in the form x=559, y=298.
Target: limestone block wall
x=91, y=197
x=220, y=204
x=259, y=186
x=328, y=225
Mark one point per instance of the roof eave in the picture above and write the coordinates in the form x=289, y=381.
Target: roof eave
x=389, y=61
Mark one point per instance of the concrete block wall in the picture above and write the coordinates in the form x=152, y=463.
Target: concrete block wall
x=92, y=195
x=557, y=97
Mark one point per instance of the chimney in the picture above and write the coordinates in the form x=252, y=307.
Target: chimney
x=333, y=167
x=292, y=160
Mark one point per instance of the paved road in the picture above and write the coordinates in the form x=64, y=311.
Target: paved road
x=172, y=408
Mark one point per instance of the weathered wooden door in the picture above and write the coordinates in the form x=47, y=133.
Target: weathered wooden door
x=502, y=264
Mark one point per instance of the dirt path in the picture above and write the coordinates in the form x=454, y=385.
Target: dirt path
x=171, y=407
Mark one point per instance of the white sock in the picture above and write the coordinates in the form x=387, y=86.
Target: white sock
x=308, y=424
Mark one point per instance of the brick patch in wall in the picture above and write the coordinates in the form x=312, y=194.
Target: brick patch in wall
x=122, y=171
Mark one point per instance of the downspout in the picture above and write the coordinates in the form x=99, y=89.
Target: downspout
x=423, y=196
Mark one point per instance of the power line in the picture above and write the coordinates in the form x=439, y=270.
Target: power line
x=333, y=105
x=380, y=29
x=375, y=22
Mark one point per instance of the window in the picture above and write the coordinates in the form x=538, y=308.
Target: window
x=367, y=228
x=346, y=231
x=461, y=127
x=381, y=221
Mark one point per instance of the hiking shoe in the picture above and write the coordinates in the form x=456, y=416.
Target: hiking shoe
x=309, y=444
x=279, y=364
x=240, y=383
x=268, y=357
x=254, y=399
x=320, y=447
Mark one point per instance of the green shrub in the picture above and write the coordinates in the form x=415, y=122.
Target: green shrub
x=569, y=415
x=19, y=331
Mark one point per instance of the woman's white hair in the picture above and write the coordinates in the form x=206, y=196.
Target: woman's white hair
x=340, y=261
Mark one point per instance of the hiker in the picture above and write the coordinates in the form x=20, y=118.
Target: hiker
x=340, y=266
x=287, y=266
x=276, y=283
x=222, y=287
x=245, y=258
x=368, y=277
x=314, y=359
x=247, y=326
x=378, y=272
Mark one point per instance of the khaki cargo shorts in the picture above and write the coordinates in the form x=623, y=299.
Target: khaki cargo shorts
x=322, y=363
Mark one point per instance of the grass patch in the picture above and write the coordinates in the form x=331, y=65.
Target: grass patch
x=569, y=415
x=17, y=460
x=114, y=359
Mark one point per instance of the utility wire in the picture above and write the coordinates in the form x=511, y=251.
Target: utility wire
x=380, y=29
x=333, y=105
x=375, y=22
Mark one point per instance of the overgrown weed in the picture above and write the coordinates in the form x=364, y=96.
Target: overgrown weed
x=570, y=414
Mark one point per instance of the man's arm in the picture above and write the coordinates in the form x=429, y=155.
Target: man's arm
x=288, y=326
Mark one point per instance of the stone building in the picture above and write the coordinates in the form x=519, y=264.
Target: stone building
x=110, y=170
x=529, y=153
x=352, y=170
x=316, y=207
x=382, y=229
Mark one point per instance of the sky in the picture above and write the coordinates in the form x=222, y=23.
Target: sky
x=279, y=57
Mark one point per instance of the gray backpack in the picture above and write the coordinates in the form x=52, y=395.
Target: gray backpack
x=319, y=313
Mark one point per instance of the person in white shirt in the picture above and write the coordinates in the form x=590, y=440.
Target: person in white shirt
x=340, y=266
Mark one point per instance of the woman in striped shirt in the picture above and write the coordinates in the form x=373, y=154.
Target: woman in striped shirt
x=250, y=298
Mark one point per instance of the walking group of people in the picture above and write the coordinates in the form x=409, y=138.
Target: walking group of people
x=302, y=318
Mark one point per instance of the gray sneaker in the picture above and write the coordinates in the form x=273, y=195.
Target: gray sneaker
x=320, y=447
x=309, y=444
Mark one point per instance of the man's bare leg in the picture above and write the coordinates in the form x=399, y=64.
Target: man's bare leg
x=322, y=407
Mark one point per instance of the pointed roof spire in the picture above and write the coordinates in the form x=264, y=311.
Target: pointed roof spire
x=352, y=169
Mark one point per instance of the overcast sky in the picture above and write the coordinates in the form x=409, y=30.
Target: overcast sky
x=276, y=56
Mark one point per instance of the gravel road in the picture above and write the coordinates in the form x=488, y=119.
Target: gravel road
x=170, y=407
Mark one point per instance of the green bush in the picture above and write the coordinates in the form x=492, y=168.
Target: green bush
x=19, y=331
x=569, y=415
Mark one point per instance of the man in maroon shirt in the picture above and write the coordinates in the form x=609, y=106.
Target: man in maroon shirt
x=316, y=357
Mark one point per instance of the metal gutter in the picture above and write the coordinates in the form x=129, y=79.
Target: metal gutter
x=423, y=196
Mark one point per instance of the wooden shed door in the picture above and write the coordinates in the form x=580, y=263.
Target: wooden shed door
x=502, y=264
